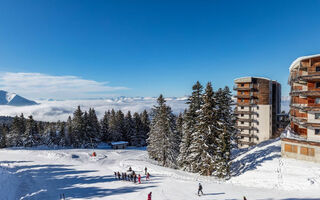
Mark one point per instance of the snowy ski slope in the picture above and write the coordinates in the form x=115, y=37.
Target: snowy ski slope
x=259, y=173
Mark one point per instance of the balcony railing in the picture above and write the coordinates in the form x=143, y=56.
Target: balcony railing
x=247, y=112
x=249, y=87
x=247, y=128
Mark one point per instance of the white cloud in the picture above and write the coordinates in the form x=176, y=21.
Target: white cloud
x=60, y=110
x=37, y=85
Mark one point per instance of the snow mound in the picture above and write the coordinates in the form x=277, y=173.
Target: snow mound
x=262, y=166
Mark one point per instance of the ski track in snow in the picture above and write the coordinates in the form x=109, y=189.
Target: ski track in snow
x=259, y=173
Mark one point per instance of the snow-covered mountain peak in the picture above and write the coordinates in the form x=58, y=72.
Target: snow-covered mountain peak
x=12, y=99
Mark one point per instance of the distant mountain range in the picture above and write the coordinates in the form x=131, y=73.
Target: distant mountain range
x=12, y=99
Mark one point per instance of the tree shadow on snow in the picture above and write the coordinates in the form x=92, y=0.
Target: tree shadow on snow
x=252, y=160
x=62, y=179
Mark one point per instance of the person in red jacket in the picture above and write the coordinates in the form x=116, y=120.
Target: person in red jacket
x=149, y=196
x=139, y=179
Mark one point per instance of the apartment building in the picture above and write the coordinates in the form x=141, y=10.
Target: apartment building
x=304, y=140
x=257, y=105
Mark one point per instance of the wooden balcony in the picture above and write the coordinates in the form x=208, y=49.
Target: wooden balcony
x=238, y=112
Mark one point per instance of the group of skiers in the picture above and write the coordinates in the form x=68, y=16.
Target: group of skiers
x=131, y=175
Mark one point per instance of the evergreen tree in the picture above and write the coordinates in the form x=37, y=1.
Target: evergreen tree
x=3, y=136
x=105, y=127
x=202, y=150
x=145, y=120
x=120, y=127
x=61, y=141
x=78, y=127
x=227, y=132
x=131, y=132
x=30, y=135
x=163, y=144
x=113, y=129
x=195, y=103
x=69, y=133
x=138, y=130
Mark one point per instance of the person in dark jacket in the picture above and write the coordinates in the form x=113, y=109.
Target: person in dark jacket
x=145, y=171
x=200, y=189
x=119, y=176
x=135, y=178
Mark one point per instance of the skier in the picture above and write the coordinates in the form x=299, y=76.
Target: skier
x=145, y=171
x=148, y=176
x=119, y=176
x=115, y=175
x=244, y=198
x=135, y=178
x=130, y=169
x=149, y=196
x=139, y=179
x=200, y=189
x=125, y=176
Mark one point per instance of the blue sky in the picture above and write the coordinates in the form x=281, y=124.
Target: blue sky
x=144, y=48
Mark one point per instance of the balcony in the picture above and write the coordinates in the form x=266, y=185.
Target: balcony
x=304, y=94
x=250, y=87
x=248, y=135
x=246, y=104
x=246, y=96
x=247, y=120
x=239, y=112
x=247, y=128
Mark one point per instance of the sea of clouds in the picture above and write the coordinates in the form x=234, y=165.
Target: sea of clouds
x=54, y=110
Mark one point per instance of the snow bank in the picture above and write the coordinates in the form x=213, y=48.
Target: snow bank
x=262, y=166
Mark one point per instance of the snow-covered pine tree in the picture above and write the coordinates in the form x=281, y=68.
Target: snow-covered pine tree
x=139, y=130
x=69, y=132
x=115, y=135
x=163, y=141
x=4, y=130
x=94, y=123
x=104, y=123
x=145, y=120
x=61, y=137
x=131, y=134
x=30, y=135
x=15, y=136
x=78, y=127
x=120, y=126
x=227, y=132
x=179, y=122
x=202, y=148
x=195, y=102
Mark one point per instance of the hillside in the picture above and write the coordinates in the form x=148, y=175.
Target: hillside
x=259, y=173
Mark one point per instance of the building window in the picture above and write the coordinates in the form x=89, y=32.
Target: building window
x=242, y=115
x=317, y=101
x=241, y=100
x=317, y=84
x=242, y=92
x=242, y=84
x=257, y=107
x=242, y=137
x=242, y=122
x=317, y=115
x=317, y=131
x=290, y=148
x=242, y=107
x=317, y=69
x=306, y=151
